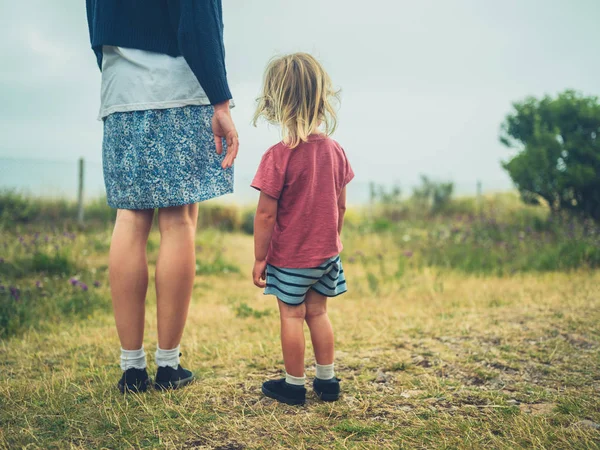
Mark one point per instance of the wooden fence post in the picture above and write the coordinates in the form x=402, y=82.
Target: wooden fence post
x=479, y=199
x=80, y=194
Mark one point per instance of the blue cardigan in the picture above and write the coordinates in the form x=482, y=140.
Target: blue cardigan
x=189, y=28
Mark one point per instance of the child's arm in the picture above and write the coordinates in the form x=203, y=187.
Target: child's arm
x=264, y=221
x=341, y=210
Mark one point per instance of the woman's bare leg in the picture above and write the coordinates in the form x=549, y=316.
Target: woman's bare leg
x=128, y=273
x=175, y=271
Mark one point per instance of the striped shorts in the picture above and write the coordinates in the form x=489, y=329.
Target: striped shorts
x=291, y=285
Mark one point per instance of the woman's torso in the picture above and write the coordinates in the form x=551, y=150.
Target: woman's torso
x=135, y=80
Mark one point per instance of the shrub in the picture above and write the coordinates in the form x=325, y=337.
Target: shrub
x=433, y=196
x=222, y=217
x=248, y=222
x=558, y=144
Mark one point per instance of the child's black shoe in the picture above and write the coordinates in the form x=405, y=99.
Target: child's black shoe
x=134, y=380
x=327, y=390
x=169, y=378
x=284, y=392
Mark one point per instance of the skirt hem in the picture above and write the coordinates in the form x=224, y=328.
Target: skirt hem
x=167, y=204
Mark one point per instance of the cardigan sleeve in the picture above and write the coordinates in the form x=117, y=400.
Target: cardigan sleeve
x=199, y=28
x=90, y=6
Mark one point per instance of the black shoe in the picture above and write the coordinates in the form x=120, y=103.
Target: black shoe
x=284, y=392
x=134, y=380
x=169, y=378
x=327, y=390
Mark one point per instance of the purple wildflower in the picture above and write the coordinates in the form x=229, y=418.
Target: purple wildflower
x=38, y=284
x=83, y=286
x=15, y=293
x=1, y=260
x=74, y=281
x=96, y=284
x=408, y=253
x=46, y=239
x=2, y=287
x=21, y=239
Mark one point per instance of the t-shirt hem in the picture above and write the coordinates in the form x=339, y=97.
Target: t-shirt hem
x=201, y=101
x=311, y=264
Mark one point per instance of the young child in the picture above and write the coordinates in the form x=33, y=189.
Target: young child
x=302, y=182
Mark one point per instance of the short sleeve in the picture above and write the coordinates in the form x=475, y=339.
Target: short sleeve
x=348, y=172
x=270, y=176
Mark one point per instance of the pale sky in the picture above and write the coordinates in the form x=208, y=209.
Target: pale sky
x=425, y=85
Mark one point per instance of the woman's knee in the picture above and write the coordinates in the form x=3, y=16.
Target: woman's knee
x=139, y=219
x=184, y=216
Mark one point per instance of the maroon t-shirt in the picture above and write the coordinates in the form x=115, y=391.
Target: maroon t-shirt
x=307, y=182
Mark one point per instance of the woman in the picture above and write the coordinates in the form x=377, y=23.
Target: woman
x=165, y=107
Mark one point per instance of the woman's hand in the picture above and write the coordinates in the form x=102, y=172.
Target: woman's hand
x=223, y=127
x=259, y=273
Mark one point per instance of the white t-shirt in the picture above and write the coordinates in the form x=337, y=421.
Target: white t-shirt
x=136, y=80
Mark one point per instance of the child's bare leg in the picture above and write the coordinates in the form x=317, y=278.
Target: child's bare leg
x=128, y=273
x=175, y=271
x=321, y=332
x=292, y=337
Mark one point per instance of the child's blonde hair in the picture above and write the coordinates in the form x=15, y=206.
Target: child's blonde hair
x=297, y=95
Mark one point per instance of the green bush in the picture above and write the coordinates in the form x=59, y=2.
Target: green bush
x=489, y=247
x=558, y=151
x=248, y=222
x=97, y=210
x=16, y=209
x=432, y=195
x=222, y=217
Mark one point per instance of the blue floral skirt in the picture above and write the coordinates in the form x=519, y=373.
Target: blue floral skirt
x=162, y=157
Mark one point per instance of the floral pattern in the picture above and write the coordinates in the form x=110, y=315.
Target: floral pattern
x=162, y=157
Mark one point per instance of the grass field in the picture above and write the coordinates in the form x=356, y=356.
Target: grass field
x=431, y=353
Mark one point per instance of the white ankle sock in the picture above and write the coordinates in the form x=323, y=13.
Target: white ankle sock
x=296, y=381
x=325, y=371
x=166, y=358
x=133, y=359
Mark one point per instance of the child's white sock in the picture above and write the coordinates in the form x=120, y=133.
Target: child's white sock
x=325, y=371
x=296, y=381
x=168, y=358
x=133, y=359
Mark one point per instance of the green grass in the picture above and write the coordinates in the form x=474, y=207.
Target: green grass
x=506, y=356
